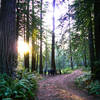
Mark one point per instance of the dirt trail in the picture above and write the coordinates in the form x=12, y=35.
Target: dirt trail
x=62, y=87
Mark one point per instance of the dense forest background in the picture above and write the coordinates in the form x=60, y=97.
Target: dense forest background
x=30, y=41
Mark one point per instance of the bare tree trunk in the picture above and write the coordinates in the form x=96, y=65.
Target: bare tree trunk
x=84, y=49
x=37, y=56
x=53, y=66
x=8, y=37
x=91, y=45
x=41, y=66
x=97, y=36
x=17, y=21
x=97, y=28
x=33, y=41
x=70, y=44
x=33, y=56
x=46, y=48
x=24, y=36
x=27, y=39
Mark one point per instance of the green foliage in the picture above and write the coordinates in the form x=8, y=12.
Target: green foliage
x=97, y=68
x=18, y=89
x=94, y=87
x=86, y=69
x=25, y=74
x=67, y=70
x=84, y=82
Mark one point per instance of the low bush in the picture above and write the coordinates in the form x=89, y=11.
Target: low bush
x=67, y=70
x=85, y=82
x=22, y=88
x=94, y=87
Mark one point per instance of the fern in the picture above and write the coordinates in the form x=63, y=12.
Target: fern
x=23, y=88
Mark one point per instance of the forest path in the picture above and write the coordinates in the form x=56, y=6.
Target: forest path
x=62, y=87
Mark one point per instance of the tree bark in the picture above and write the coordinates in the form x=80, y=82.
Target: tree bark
x=17, y=21
x=53, y=66
x=97, y=37
x=41, y=66
x=33, y=41
x=91, y=45
x=97, y=27
x=70, y=44
x=27, y=39
x=33, y=56
x=8, y=38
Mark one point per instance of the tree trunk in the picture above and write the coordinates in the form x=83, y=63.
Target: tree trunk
x=85, y=58
x=46, y=65
x=97, y=28
x=97, y=37
x=91, y=45
x=37, y=61
x=70, y=44
x=41, y=66
x=17, y=23
x=8, y=38
x=33, y=56
x=84, y=49
x=27, y=39
x=53, y=66
x=33, y=41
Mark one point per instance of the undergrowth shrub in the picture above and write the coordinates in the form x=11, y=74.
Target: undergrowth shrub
x=94, y=87
x=67, y=70
x=22, y=88
x=84, y=82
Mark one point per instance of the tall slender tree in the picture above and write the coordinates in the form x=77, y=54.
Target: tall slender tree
x=27, y=37
x=8, y=37
x=41, y=31
x=53, y=66
x=70, y=45
x=97, y=36
x=91, y=44
x=17, y=18
x=97, y=27
x=33, y=40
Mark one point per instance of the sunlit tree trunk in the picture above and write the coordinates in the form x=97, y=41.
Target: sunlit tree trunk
x=53, y=66
x=37, y=56
x=41, y=66
x=24, y=36
x=8, y=37
x=33, y=41
x=27, y=38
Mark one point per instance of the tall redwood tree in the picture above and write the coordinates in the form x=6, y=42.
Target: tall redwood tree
x=41, y=31
x=53, y=66
x=8, y=37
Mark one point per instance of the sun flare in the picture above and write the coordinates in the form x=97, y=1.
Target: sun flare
x=23, y=47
